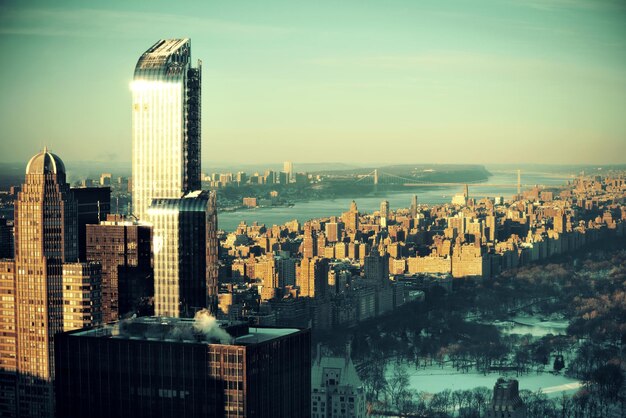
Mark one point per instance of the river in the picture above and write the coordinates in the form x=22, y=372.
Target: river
x=305, y=210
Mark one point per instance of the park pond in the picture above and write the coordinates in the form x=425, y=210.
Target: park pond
x=435, y=378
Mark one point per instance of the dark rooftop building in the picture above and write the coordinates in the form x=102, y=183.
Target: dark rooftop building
x=172, y=367
x=506, y=402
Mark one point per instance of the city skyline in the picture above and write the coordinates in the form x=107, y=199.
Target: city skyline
x=340, y=79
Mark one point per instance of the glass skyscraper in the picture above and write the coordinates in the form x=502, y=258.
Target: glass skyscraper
x=185, y=254
x=165, y=124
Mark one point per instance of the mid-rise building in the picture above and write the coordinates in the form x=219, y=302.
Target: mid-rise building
x=81, y=295
x=93, y=204
x=165, y=124
x=185, y=254
x=312, y=277
x=172, y=367
x=336, y=389
x=123, y=247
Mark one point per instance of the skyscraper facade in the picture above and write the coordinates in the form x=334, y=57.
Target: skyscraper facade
x=46, y=236
x=165, y=124
x=185, y=254
x=43, y=290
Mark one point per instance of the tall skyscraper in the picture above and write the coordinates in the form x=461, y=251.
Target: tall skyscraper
x=414, y=207
x=46, y=236
x=185, y=254
x=384, y=213
x=45, y=291
x=172, y=367
x=165, y=124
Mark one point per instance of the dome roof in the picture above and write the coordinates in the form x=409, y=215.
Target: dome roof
x=45, y=162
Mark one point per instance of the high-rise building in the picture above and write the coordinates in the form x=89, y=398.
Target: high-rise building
x=384, y=213
x=351, y=218
x=414, y=207
x=123, y=247
x=43, y=290
x=312, y=277
x=288, y=169
x=309, y=242
x=165, y=124
x=184, y=367
x=376, y=266
x=185, y=254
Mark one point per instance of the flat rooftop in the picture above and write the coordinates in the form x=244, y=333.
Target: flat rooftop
x=184, y=330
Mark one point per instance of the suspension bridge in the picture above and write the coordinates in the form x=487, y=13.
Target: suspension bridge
x=377, y=177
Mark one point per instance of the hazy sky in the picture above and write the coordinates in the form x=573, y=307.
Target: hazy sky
x=357, y=81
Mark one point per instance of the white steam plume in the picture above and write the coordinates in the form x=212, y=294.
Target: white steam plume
x=207, y=325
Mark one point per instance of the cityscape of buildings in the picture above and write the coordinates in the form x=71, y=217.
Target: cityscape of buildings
x=190, y=320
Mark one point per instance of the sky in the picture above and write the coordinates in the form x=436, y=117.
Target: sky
x=353, y=81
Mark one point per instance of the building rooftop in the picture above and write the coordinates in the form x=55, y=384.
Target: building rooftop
x=200, y=330
x=45, y=162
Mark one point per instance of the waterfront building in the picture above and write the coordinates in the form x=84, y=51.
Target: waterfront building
x=165, y=124
x=185, y=249
x=184, y=367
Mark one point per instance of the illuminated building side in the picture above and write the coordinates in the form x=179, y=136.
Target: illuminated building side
x=46, y=236
x=165, y=124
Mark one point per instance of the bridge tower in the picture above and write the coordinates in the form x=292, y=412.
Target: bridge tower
x=376, y=176
x=519, y=182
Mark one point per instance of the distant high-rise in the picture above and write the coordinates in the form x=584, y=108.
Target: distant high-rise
x=288, y=170
x=185, y=254
x=384, y=213
x=414, y=207
x=165, y=124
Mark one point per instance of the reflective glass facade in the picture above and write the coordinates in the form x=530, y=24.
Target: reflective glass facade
x=185, y=254
x=165, y=124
